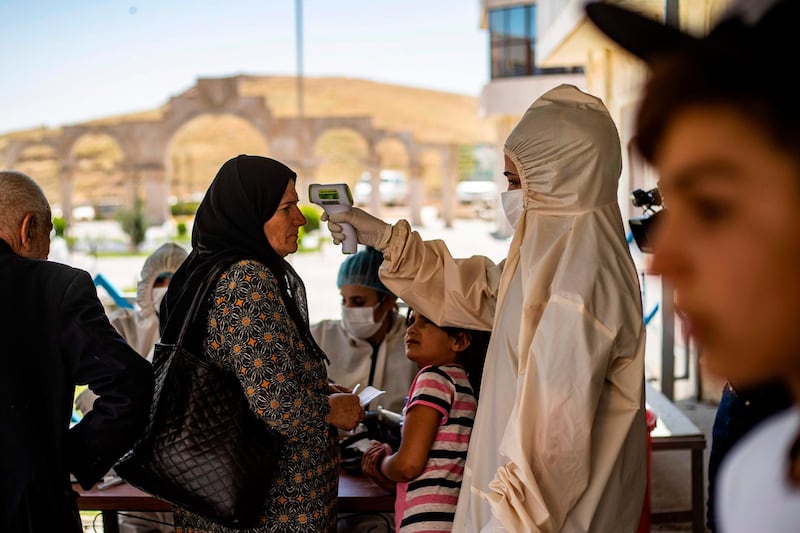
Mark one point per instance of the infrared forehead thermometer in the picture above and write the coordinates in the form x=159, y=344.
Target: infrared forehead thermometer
x=336, y=198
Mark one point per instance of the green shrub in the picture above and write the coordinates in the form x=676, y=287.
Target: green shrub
x=184, y=208
x=312, y=214
x=59, y=225
x=133, y=223
x=182, y=230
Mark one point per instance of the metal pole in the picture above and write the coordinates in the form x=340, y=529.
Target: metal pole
x=667, y=341
x=301, y=145
x=671, y=18
x=672, y=13
x=298, y=8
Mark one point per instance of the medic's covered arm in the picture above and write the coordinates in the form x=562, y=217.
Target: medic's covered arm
x=453, y=292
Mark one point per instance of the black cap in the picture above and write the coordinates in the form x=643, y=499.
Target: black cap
x=759, y=28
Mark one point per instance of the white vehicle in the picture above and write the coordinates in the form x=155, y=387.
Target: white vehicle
x=83, y=212
x=393, y=188
x=477, y=191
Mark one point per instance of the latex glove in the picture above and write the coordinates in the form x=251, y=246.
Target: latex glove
x=370, y=230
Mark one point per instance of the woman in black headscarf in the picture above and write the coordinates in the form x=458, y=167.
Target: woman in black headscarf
x=257, y=324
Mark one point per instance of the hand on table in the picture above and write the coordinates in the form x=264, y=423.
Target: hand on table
x=371, y=464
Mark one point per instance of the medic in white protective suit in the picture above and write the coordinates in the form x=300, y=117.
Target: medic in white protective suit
x=559, y=442
x=367, y=346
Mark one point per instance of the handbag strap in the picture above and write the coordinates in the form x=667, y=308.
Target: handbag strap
x=197, y=300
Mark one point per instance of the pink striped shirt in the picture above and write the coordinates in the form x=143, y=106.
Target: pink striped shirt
x=428, y=503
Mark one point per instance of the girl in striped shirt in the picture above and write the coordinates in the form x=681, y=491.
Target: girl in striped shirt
x=427, y=469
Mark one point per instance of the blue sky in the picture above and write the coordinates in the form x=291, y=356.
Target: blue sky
x=64, y=61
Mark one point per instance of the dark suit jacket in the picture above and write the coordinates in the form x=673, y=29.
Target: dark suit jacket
x=54, y=334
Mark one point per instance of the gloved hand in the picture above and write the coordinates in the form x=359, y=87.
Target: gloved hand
x=370, y=230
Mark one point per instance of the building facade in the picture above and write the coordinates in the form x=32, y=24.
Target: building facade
x=517, y=77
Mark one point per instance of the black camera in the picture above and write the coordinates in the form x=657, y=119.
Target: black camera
x=642, y=227
x=646, y=199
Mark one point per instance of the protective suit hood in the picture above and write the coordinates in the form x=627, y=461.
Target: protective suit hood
x=165, y=260
x=569, y=160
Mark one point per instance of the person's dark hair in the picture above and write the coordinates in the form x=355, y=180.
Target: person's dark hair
x=713, y=75
x=473, y=356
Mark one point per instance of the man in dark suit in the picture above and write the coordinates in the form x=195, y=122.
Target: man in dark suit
x=54, y=335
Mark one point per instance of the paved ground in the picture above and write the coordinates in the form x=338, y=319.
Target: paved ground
x=670, y=470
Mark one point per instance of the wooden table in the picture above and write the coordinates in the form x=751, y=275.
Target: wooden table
x=675, y=431
x=357, y=494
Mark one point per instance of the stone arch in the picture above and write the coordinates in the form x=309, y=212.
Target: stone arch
x=96, y=160
x=431, y=162
x=197, y=149
x=393, y=153
x=41, y=161
x=339, y=155
x=215, y=96
x=146, y=142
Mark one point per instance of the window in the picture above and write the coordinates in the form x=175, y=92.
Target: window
x=512, y=38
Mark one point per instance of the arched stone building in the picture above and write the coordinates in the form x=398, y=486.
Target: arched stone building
x=144, y=144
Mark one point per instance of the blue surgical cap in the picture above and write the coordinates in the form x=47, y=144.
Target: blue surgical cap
x=361, y=268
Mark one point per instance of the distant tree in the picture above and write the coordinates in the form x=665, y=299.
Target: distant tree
x=312, y=224
x=312, y=215
x=467, y=162
x=182, y=229
x=184, y=208
x=133, y=223
x=59, y=225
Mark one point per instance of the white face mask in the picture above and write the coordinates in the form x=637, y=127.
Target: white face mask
x=512, y=205
x=158, y=295
x=360, y=321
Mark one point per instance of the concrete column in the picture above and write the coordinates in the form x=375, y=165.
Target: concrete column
x=65, y=179
x=374, y=169
x=304, y=167
x=154, y=193
x=417, y=193
x=449, y=179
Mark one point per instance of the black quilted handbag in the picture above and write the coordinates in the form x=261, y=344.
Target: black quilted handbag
x=203, y=450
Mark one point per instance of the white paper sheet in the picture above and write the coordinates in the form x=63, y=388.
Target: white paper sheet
x=368, y=394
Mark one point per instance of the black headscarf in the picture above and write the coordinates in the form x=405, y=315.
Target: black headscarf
x=229, y=227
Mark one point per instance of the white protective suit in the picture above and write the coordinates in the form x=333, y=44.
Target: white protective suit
x=140, y=326
x=559, y=442
x=351, y=360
